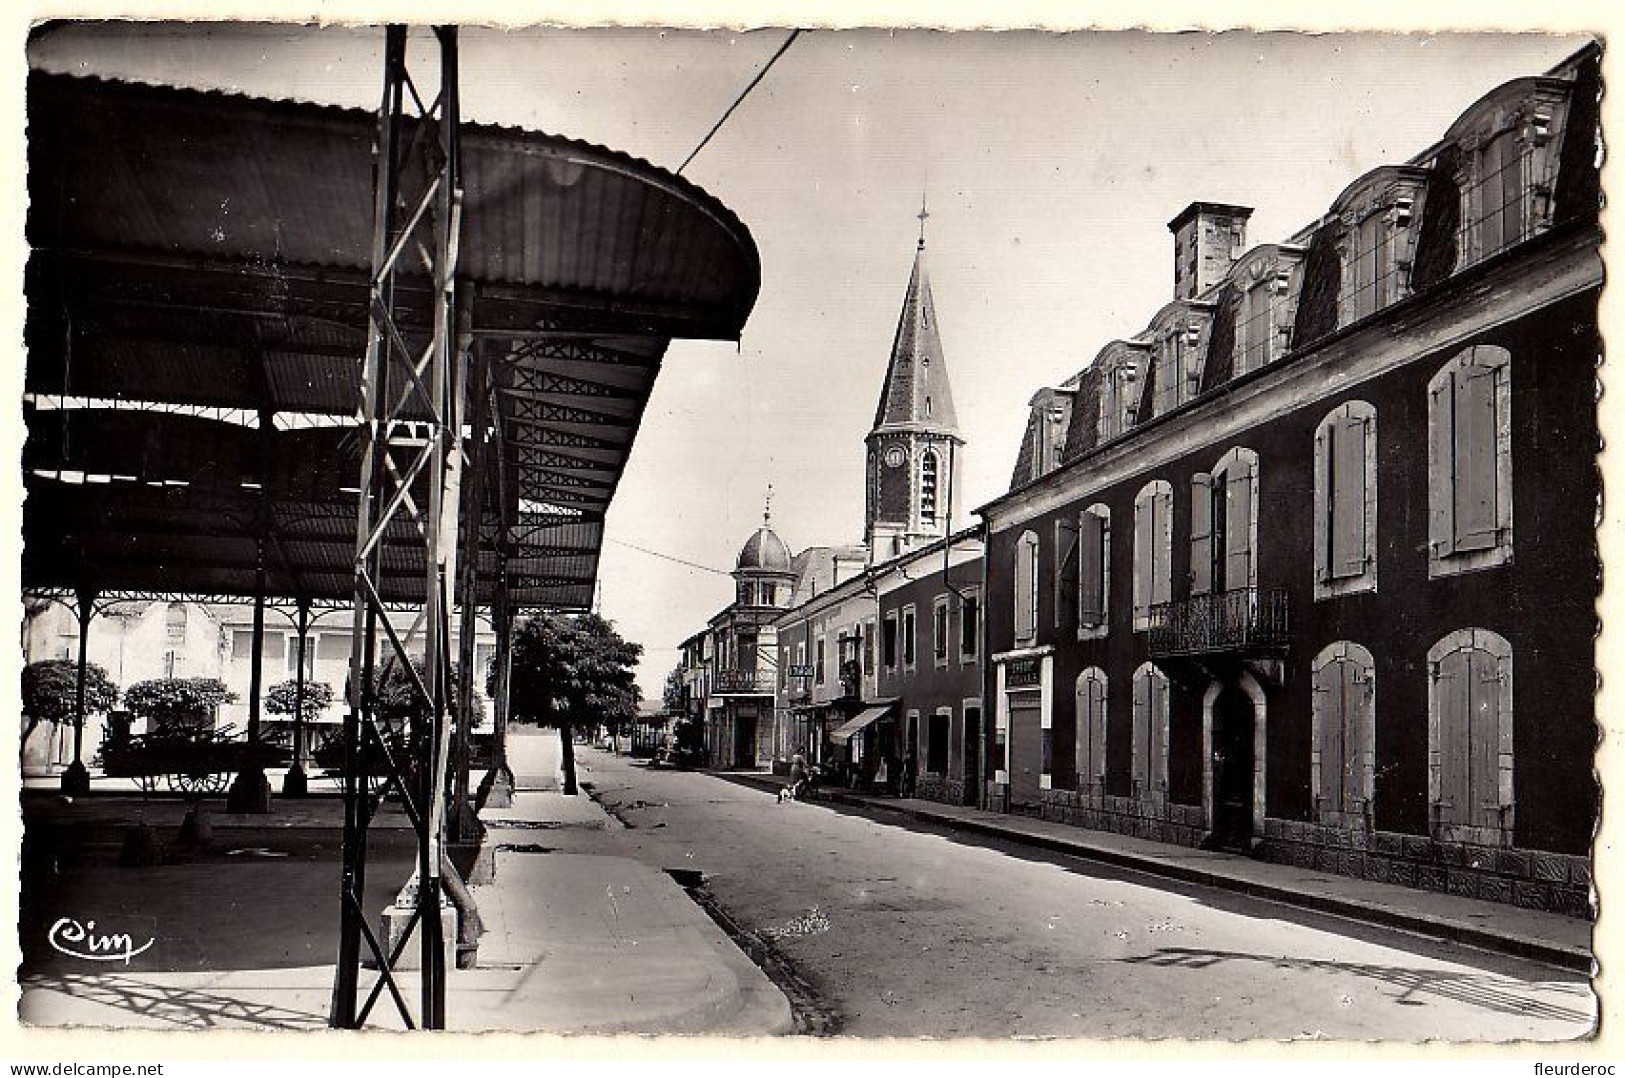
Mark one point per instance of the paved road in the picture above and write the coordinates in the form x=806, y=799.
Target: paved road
x=908, y=931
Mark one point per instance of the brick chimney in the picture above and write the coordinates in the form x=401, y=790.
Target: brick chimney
x=1208, y=238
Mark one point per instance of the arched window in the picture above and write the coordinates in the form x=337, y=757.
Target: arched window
x=1346, y=501
x=1224, y=525
x=175, y=621
x=1470, y=745
x=1090, y=749
x=1343, y=735
x=928, y=487
x=1150, y=756
x=1026, y=587
x=1470, y=462
x=1153, y=543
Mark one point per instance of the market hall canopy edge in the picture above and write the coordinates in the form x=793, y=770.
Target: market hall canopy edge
x=198, y=314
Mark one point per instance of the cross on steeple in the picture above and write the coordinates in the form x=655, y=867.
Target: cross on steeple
x=923, y=215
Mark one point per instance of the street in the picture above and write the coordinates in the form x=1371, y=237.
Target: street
x=909, y=931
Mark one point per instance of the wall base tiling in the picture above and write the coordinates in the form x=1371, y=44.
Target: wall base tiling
x=1156, y=820
x=1534, y=879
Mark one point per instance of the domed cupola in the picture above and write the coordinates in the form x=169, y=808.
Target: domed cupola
x=764, y=571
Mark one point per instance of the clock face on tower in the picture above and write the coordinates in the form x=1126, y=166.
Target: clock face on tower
x=895, y=457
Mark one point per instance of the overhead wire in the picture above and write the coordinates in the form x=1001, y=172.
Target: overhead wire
x=668, y=557
x=739, y=100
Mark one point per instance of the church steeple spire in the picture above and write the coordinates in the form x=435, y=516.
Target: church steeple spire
x=915, y=438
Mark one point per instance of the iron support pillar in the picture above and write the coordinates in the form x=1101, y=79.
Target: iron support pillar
x=414, y=381
x=295, y=783
x=76, y=779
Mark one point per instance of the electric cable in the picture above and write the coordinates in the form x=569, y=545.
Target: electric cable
x=739, y=100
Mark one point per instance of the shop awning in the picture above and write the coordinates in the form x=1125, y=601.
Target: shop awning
x=863, y=718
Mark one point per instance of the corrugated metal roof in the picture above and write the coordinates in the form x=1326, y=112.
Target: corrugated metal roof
x=205, y=248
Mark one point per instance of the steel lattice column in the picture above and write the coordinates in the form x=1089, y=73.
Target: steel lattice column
x=411, y=229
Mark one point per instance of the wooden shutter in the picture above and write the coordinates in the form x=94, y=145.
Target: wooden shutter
x=1066, y=570
x=1329, y=694
x=1452, y=703
x=1484, y=739
x=1091, y=570
x=1162, y=504
x=1143, y=546
x=1347, y=496
x=1351, y=687
x=1024, y=589
x=1201, y=533
x=1442, y=463
x=1156, y=768
x=1238, y=543
x=1142, y=730
x=1475, y=509
x=1097, y=729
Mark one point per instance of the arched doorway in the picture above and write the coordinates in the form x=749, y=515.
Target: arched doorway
x=1234, y=719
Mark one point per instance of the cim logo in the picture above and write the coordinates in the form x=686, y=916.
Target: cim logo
x=81, y=940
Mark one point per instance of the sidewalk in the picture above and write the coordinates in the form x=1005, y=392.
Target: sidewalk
x=1546, y=937
x=244, y=938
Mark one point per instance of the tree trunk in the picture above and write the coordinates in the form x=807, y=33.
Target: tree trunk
x=568, y=746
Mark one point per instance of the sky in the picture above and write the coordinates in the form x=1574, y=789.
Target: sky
x=1050, y=164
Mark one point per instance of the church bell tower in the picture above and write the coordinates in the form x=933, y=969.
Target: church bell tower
x=915, y=444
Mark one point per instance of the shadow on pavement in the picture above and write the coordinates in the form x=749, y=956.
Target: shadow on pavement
x=188, y=1008
x=1487, y=992
x=1215, y=898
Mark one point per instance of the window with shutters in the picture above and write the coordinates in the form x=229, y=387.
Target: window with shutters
x=868, y=631
x=1026, y=587
x=936, y=740
x=970, y=627
x=1343, y=736
x=939, y=631
x=1224, y=525
x=1470, y=743
x=1346, y=501
x=1153, y=547
x=1470, y=462
x=910, y=637
x=1150, y=749
x=888, y=640
x=1093, y=570
x=818, y=660
x=1090, y=749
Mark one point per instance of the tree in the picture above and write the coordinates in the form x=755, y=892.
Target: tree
x=675, y=695
x=568, y=671
x=177, y=701
x=51, y=691
x=282, y=698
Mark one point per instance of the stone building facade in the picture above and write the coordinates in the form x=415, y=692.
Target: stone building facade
x=1306, y=569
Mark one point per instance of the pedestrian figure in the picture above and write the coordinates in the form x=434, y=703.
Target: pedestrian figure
x=909, y=774
x=885, y=775
x=798, y=779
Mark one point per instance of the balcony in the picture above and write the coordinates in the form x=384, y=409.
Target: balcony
x=1244, y=621
x=743, y=683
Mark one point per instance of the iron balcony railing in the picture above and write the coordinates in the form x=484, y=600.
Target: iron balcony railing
x=1242, y=620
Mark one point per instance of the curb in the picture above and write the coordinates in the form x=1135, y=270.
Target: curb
x=1568, y=958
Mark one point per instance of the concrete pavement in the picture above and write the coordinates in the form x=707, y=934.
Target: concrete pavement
x=1546, y=937
x=574, y=943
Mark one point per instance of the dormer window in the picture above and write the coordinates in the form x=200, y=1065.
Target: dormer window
x=1379, y=241
x=1508, y=166
x=928, y=407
